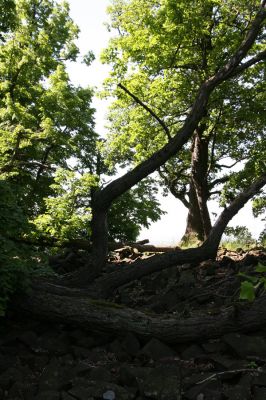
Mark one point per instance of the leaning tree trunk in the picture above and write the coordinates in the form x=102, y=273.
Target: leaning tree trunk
x=99, y=316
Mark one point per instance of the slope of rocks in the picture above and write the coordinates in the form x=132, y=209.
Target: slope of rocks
x=60, y=362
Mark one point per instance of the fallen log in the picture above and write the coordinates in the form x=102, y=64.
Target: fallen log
x=100, y=316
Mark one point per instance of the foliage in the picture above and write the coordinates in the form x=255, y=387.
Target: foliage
x=252, y=283
x=135, y=208
x=17, y=260
x=68, y=213
x=44, y=121
x=237, y=237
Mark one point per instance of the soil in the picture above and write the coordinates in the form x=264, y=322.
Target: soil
x=60, y=362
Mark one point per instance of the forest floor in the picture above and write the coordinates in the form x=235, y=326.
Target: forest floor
x=60, y=362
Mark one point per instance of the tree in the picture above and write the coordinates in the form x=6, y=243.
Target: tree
x=243, y=57
x=156, y=87
x=44, y=119
x=57, y=300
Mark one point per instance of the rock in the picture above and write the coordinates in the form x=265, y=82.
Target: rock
x=214, y=346
x=67, y=396
x=157, y=350
x=131, y=344
x=7, y=361
x=260, y=379
x=49, y=379
x=187, y=279
x=53, y=343
x=23, y=390
x=100, y=374
x=211, y=390
x=98, y=389
x=227, y=262
x=162, y=383
x=192, y=352
x=28, y=338
x=10, y=376
x=129, y=375
x=109, y=395
x=238, y=392
x=48, y=395
x=118, y=349
x=81, y=352
x=249, y=260
x=244, y=345
x=259, y=393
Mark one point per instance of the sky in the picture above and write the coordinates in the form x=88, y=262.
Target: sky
x=90, y=16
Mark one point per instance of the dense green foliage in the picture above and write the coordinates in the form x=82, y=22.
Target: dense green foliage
x=49, y=162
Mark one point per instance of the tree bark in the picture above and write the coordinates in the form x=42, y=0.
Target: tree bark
x=199, y=171
x=198, y=219
x=99, y=316
x=194, y=228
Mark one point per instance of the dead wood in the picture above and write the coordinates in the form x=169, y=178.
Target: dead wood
x=99, y=316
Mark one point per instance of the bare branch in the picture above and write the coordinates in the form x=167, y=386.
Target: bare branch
x=242, y=67
x=151, y=112
x=230, y=166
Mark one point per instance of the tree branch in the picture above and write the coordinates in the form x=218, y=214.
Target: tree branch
x=151, y=112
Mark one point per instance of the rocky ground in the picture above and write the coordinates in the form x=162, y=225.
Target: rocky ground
x=58, y=362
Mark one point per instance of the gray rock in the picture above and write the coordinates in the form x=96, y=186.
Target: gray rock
x=208, y=389
x=118, y=349
x=157, y=350
x=187, y=279
x=50, y=379
x=244, y=345
x=28, y=338
x=96, y=389
x=10, y=376
x=48, y=395
x=259, y=393
x=260, y=379
x=109, y=395
x=191, y=352
x=66, y=396
x=129, y=375
x=131, y=344
x=100, y=374
x=238, y=392
x=162, y=383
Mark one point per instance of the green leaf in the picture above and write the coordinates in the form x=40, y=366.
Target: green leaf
x=261, y=268
x=247, y=291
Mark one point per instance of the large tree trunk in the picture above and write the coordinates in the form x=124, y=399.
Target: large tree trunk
x=199, y=172
x=107, y=195
x=194, y=228
x=198, y=219
x=99, y=316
